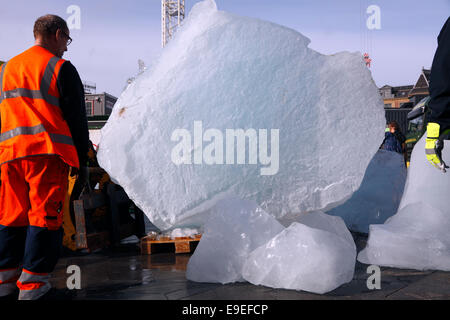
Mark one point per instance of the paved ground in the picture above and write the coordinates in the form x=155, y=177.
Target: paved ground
x=125, y=274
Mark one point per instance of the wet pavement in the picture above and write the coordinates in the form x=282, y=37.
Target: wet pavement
x=125, y=274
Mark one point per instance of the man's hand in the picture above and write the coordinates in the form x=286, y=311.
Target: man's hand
x=82, y=173
x=434, y=146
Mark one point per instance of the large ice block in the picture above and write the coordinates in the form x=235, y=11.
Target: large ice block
x=234, y=228
x=418, y=236
x=313, y=122
x=379, y=195
x=317, y=254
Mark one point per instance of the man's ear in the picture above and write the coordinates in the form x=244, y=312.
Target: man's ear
x=59, y=34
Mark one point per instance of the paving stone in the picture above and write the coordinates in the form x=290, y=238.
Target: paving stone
x=123, y=274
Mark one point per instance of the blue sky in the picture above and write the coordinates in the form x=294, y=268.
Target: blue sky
x=115, y=34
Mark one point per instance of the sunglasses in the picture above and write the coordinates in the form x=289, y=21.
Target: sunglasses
x=69, y=39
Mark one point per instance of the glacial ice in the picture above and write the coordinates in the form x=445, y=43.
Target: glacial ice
x=241, y=242
x=379, y=195
x=235, y=227
x=417, y=236
x=316, y=254
x=224, y=72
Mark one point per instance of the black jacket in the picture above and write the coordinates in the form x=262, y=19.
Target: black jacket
x=440, y=80
x=73, y=107
x=400, y=137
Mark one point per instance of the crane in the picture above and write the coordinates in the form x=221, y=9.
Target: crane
x=172, y=14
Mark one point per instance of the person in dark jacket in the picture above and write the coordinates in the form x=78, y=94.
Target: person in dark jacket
x=439, y=105
x=394, y=140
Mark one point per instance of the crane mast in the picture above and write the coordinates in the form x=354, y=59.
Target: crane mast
x=172, y=14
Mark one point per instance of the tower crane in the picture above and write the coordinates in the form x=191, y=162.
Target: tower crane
x=172, y=14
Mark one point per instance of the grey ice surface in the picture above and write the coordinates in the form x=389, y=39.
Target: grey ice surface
x=379, y=195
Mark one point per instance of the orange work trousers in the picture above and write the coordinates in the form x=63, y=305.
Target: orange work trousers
x=32, y=194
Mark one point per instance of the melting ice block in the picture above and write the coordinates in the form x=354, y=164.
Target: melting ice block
x=316, y=254
x=240, y=106
x=418, y=236
x=234, y=228
x=379, y=195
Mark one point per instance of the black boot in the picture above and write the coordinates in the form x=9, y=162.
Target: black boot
x=11, y=297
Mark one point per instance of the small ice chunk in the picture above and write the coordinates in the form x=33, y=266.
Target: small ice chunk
x=317, y=256
x=234, y=229
x=417, y=236
x=183, y=232
x=379, y=195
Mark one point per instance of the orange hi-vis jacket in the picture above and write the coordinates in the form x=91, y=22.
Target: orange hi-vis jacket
x=32, y=122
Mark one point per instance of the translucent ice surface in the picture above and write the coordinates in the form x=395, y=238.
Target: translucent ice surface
x=418, y=236
x=317, y=255
x=234, y=228
x=379, y=195
x=307, y=124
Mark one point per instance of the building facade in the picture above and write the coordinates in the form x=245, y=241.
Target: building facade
x=99, y=104
x=406, y=96
x=395, y=97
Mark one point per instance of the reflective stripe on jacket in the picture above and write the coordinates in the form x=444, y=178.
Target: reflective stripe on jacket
x=31, y=121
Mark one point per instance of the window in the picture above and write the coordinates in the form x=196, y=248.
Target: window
x=89, y=108
x=109, y=104
x=416, y=125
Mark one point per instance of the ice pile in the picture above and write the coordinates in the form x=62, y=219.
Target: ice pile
x=316, y=254
x=242, y=242
x=234, y=229
x=379, y=195
x=418, y=236
x=307, y=124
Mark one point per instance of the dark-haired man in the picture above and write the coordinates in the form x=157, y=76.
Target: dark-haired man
x=43, y=135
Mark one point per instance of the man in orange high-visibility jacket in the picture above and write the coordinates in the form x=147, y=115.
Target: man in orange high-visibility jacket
x=43, y=134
